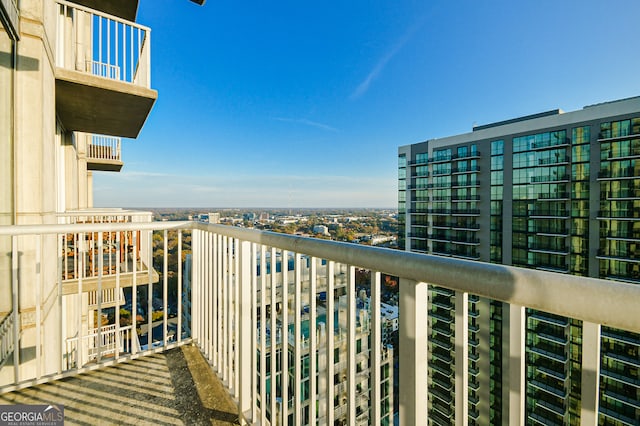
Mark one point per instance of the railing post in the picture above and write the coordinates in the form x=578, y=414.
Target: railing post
x=516, y=369
x=244, y=365
x=351, y=345
x=462, y=358
x=413, y=356
x=15, y=288
x=376, y=320
x=590, y=373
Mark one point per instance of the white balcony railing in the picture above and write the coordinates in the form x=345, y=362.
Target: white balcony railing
x=102, y=45
x=238, y=275
x=104, y=148
x=85, y=253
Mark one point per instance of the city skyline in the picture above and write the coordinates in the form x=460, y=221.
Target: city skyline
x=292, y=105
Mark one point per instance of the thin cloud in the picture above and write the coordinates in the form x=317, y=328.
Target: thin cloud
x=363, y=87
x=307, y=123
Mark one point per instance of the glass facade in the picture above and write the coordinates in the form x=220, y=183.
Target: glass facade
x=570, y=203
x=619, y=259
x=402, y=201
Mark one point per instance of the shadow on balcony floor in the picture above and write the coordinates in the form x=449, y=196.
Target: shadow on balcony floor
x=173, y=388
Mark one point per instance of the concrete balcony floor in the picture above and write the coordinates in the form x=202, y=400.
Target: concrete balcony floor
x=173, y=388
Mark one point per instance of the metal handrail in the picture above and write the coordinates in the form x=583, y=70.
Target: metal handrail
x=587, y=299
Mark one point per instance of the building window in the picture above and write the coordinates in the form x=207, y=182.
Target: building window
x=580, y=135
x=497, y=147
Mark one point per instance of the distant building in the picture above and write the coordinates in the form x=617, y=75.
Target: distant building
x=389, y=322
x=320, y=229
x=339, y=341
x=207, y=217
x=553, y=191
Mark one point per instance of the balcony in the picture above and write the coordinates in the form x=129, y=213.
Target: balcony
x=549, y=213
x=623, y=194
x=557, y=143
x=608, y=136
x=550, y=178
x=557, y=160
x=103, y=78
x=620, y=214
x=461, y=170
x=553, y=196
x=126, y=9
x=619, y=154
x=222, y=321
x=616, y=254
x=468, y=155
x=103, y=153
x=621, y=173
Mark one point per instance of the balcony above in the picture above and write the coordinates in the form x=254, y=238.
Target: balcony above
x=125, y=9
x=103, y=81
x=104, y=154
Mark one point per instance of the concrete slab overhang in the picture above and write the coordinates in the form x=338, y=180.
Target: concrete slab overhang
x=92, y=104
x=127, y=9
x=109, y=281
x=103, y=165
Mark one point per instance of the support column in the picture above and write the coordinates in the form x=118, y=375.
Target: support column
x=516, y=370
x=462, y=358
x=245, y=343
x=413, y=357
x=590, y=373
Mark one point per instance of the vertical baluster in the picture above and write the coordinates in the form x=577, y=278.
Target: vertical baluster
x=117, y=309
x=284, y=336
x=313, y=340
x=351, y=344
x=226, y=311
x=214, y=300
x=149, y=292
x=254, y=332
x=376, y=353
x=263, y=335
x=274, y=335
x=61, y=325
x=16, y=306
x=413, y=356
x=206, y=295
x=237, y=284
x=462, y=358
x=38, y=295
x=329, y=336
x=99, y=299
x=297, y=339
x=220, y=304
x=165, y=290
x=213, y=303
x=591, y=345
x=179, y=302
x=517, y=322
x=135, y=347
x=81, y=271
x=195, y=282
x=244, y=345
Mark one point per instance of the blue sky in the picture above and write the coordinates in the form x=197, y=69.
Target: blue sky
x=304, y=104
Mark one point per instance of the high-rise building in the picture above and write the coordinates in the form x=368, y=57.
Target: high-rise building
x=337, y=339
x=74, y=79
x=552, y=191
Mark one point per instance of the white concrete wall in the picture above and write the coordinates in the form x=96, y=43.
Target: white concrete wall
x=36, y=186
